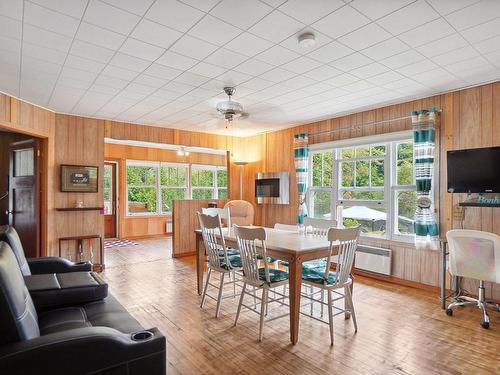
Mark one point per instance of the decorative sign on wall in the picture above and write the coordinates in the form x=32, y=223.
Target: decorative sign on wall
x=79, y=178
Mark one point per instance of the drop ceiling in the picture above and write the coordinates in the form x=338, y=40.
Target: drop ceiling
x=165, y=62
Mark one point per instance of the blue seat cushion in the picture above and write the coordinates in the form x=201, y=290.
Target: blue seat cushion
x=230, y=251
x=235, y=261
x=274, y=275
x=316, y=263
x=269, y=259
x=316, y=275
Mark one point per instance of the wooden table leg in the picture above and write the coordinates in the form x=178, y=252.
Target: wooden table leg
x=295, y=285
x=200, y=252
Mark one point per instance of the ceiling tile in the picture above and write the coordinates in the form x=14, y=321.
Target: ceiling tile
x=482, y=31
x=247, y=12
x=276, y=27
x=111, y=82
x=191, y=79
x=385, y=49
x=342, y=80
x=474, y=14
x=46, y=19
x=488, y=45
x=301, y=65
x=359, y=87
x=90, y=51
x=142, y=50
x=341, y=22
x=145, y=79
x=154, y=33
x=277, y=75
x=292, y=43
x=12, y=9
x=442, y=45
x=383, y=78
x=277, y=55
x=369, y=70
x=109, y=17
x=409, y=17
x=402, y=59
x=125, y=61
x=35, y=35
x=225, y=58
x=248, y=44
x=233, y=78
x=415, y=68
x=82, y=63
x=174, y=60
x=214, y=31
x=323, y=72
x=204, y=5
x=365, y=37
x=298, y=82
x=43, y=53
x=257, y=83
x=378, y=9
x=350, y=62
x=428, y=32
x=132, y=6
x=253, y=67
x=456, y=55
x=207, y=70
x=174, y=14
x=77, y=74
x=475, y=62
x=193, y=47
x=309, y=11
x=330, y=52
x=11, y=28
x=161, y=71
x=447, y=6
x=101, y=37
x=116, y=72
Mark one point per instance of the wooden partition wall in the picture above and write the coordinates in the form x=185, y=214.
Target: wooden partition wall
x=185, y=222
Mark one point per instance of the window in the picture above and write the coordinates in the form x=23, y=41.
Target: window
x=370, y=184
x=173, y=185
x=153, y=186
x=107, y=190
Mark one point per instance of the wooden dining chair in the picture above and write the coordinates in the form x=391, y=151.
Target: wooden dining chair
x=256, y=277
x=319, y=227
x=219, y=260
x=346, y=240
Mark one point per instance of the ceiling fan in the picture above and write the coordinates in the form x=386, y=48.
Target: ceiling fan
x=230, y=110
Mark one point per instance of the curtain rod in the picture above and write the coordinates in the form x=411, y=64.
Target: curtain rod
x=360, y=126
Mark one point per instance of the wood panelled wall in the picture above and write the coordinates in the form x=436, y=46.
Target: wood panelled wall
x=142, y=226
x=185, y=222
x=78, y=141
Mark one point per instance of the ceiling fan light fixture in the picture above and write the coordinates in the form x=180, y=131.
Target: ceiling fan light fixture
x=307, y=40
x=229, y=109
x=182, y=151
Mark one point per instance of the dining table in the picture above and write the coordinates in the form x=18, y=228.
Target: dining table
x=293, y=247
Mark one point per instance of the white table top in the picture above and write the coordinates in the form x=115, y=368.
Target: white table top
x=287, y=241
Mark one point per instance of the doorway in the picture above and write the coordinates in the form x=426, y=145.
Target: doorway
x=20, y=188
x=110, y=193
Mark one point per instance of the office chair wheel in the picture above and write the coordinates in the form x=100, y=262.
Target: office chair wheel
x=449, y=312
x=485, y=325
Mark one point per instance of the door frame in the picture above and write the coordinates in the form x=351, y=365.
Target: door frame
x=116, y=192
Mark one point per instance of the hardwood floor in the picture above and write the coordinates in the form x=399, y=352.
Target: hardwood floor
x=401, y=330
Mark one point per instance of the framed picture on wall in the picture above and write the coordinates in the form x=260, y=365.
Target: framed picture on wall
x=79, y=179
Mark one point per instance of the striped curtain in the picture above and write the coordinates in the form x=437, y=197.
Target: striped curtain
x=301, y=155
x=424, y=137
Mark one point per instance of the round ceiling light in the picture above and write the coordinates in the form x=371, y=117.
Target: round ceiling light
x=307, y=40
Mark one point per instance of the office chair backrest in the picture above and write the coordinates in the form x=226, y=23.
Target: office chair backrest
x=224, y=214
x=474, y=254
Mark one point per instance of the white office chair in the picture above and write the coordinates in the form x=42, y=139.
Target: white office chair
x=224, y=214
x=476, y=255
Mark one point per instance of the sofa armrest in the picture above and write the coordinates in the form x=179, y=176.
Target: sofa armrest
x=85, y=350
x=56, y=265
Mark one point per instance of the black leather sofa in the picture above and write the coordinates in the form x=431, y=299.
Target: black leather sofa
x=98, y=337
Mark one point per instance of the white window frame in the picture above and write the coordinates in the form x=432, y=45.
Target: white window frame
x=390, y=188
x=161, y=187
x=214, y=188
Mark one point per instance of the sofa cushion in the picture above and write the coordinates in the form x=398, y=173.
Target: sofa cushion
x=49, y=290
x=105, y=313
x=9, y=235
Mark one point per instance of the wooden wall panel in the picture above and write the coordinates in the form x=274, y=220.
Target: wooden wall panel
x=77, y=141
x=185, y=222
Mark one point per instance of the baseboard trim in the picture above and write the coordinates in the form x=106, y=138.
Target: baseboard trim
x=396, y=280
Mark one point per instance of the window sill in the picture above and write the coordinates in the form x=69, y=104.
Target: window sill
x=382, y=242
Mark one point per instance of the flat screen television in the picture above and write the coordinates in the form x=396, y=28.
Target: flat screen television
x=474, y=170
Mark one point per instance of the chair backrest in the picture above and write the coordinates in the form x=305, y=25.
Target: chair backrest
x=287, y=227
x=242, y=212
x=18, y=317
x=224, y=214
x=213, y=239
x=319, y=227
x=348, y=242
x=9, y=235
x=247, y=242
x=474, y=254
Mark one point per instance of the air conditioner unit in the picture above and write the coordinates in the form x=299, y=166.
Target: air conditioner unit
x=373, y=259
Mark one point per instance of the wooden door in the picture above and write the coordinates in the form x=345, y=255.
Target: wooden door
x=24, y=196
x=110, y=200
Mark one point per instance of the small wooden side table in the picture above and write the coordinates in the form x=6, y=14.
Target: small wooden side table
x=79, y=239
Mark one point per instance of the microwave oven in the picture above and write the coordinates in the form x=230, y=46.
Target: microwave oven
x=272, y=188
